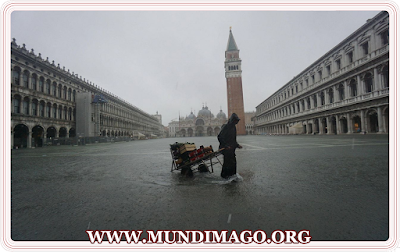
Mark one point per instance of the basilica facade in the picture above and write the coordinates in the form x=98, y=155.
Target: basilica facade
x=204, y=124
x=345, y=91
x=49, y=102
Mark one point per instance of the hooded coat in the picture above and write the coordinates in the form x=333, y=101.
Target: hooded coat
x=227, y=141
x=227, y=135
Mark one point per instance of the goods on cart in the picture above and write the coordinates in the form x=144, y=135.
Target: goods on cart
x=186, y=155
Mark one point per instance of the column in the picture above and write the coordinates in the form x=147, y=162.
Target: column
x=336, y=93
x=338, y=130
x=12, y=139
x=319, y=99
x=349, y=124
x=360, y=89
x=328, y=125
x=314, y=125
x=377, y=81
x=44, y=138
x=321, y=130
x=380, y=121
x=30, y=107
x=29, y=140
x=363, y=128
x=346, y=90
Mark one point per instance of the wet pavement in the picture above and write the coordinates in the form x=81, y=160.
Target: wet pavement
x=334, y=186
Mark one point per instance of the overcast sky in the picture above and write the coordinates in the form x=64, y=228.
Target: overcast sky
x=173, y=62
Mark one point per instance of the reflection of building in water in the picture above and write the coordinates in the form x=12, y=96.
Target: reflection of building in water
x=344, y=91
x=204, y=124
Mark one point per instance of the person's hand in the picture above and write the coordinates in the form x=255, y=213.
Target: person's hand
x=239, y=146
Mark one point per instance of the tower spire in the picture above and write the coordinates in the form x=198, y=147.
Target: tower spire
x=231, y=46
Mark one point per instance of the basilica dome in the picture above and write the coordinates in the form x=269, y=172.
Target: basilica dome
x=204, y=112
x=221, y=115
x=191, y=116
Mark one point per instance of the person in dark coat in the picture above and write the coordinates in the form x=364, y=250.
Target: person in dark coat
x=227, y=140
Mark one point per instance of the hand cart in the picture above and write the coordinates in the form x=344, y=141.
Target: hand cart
x=201, y=162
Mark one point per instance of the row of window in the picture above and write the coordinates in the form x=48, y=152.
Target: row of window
x=368, y=81
x=39, y=84
x=321, y=99
x=41, y=108
x=321, y=72
x=233, y=67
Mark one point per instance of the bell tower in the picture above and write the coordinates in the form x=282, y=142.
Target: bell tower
x=233, y=75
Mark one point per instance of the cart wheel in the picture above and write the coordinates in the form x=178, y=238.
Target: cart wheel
x=203, y=168
x=187, y=172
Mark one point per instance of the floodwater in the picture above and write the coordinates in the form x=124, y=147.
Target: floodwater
x=334, y=186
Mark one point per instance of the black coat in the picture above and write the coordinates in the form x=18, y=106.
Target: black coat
x=227, y=135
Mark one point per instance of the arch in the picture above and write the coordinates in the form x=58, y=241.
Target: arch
x=62, y=132
x=209, y=131
x=47, y=87
x=34, y=106
x=25, y=106
x=324, y=126
x=34, y=81
x=316, y=123
x=182, y=132
x=72, y=132
x=48, y=110
x=199, y=122
x=356, y=127
x=343, y=125
x=17, y=104
x=65, y=93
x=333, y=125
x=104, y=133
x=37, y=136
x=368, y=80
x=54, y=110
x=199, y=131
x=41, y=84
x=59, y=90
x=51, y=132
x=25, y=79
x=65, y=113
x=69, y=94
x=16, y=74
x=353, y=88
x=330, y=95
x=54, y=88
x=60, y=109
x=21, y=133
x=341, y=92
x=42, y=105
x=190, y=132
x=322, y=98
x=372, y=121
x=217, y=130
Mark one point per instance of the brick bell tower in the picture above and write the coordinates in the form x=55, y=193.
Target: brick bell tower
x=233, y=75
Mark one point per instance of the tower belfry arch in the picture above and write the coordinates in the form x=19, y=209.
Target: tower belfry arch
x=233, y=75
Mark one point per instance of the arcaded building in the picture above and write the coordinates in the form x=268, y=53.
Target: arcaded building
x=50, y=102
x=345, y=91
x=204, y=124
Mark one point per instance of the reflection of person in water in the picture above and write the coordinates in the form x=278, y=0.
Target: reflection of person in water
x=227, y=140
